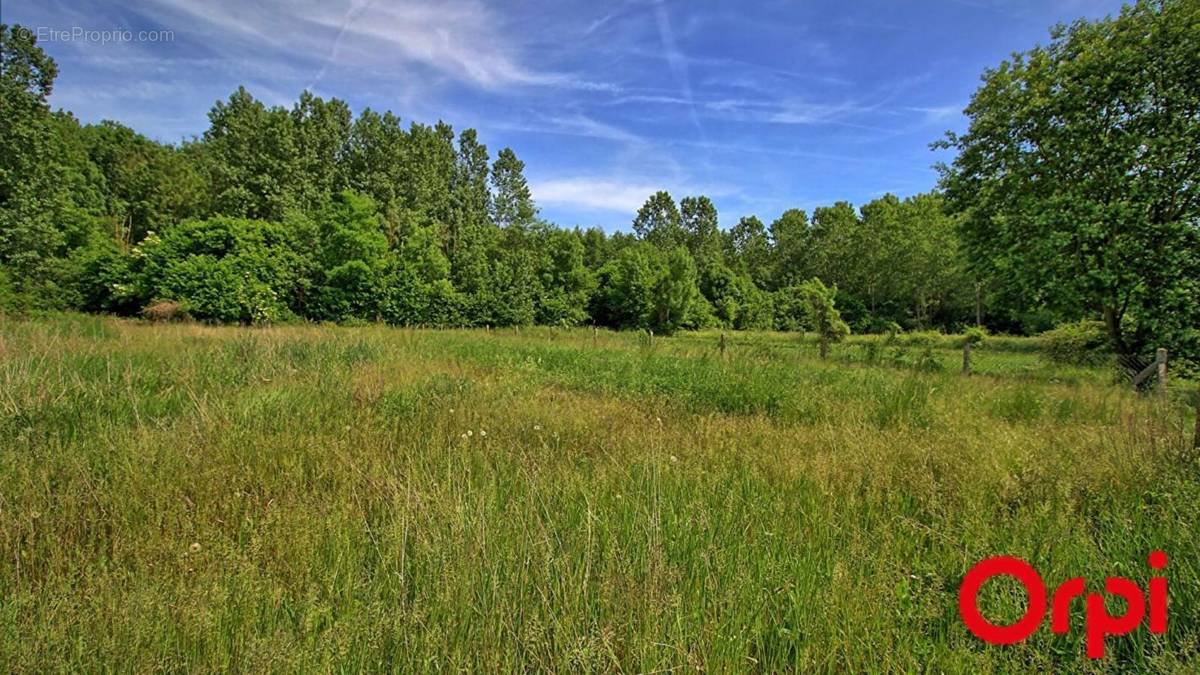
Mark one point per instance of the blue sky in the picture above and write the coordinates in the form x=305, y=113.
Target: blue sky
x=762, y=106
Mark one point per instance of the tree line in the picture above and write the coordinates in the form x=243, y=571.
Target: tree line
x=311, y=212
x=1073, y=196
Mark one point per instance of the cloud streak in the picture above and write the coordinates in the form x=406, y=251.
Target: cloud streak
x=460, y=39
x=676, y=61
x=613, y=195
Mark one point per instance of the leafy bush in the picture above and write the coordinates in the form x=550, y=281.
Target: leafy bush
x=928, y=362
x=975, y=336
x=102, y=271
x=223, y=269
x=408, y=300
x=1080, y=343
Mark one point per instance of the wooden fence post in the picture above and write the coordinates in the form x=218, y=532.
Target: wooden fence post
x=1161, y=360
x=722, y=345
x=1196, y=433
x=967, y=357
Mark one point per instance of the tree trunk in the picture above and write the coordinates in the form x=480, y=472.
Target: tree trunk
x=1112, y=322
x=824, y=345
x=979, y=303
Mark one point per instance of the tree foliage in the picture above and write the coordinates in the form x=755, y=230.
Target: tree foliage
x=1073, y=196
x=1077, y=178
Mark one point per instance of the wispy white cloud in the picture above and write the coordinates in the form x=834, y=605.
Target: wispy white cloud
x=598, y=194
x=677, y=62
x=573, y=124
x=462, y=39
x=613, y=195
x=939, y=113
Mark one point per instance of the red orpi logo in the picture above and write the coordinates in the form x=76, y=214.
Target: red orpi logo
x=1098, y=623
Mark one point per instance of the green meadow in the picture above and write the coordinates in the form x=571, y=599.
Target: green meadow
x=180, y=497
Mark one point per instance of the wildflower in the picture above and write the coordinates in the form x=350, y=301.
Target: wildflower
x=674, y=458
x=346, y=428
x=464, y=436
x=470, y=433
x=482, y=432
x=537, y=427
x=658, y=419
x=195, y=547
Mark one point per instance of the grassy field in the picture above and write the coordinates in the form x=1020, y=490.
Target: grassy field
x=192, y=498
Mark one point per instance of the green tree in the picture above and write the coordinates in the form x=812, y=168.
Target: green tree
x=565, y=283
x=374, y=164
x=322, y=140
x=625, y=297
x=821, y=315
x=658, y=222
x=418, y=289
x=428, y=174
x=512, y=204
x=29, y=236
x=148, y=185
x=832, y=241
x=698, y=218
x=1078, y=176
x=471, y=233
x=50, y=195
x=791, y=253
x=253, y=165
x=750, y=248
x=354, y=258
x=676, y=295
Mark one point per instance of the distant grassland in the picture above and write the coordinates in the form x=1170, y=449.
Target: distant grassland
x=182, y=497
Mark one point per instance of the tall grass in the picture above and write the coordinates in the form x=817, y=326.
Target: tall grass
x=181, y=497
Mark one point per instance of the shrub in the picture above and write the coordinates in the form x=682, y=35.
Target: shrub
x=223, y=269
x=1080, y=343
x=975, y=336
x=928, y=361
